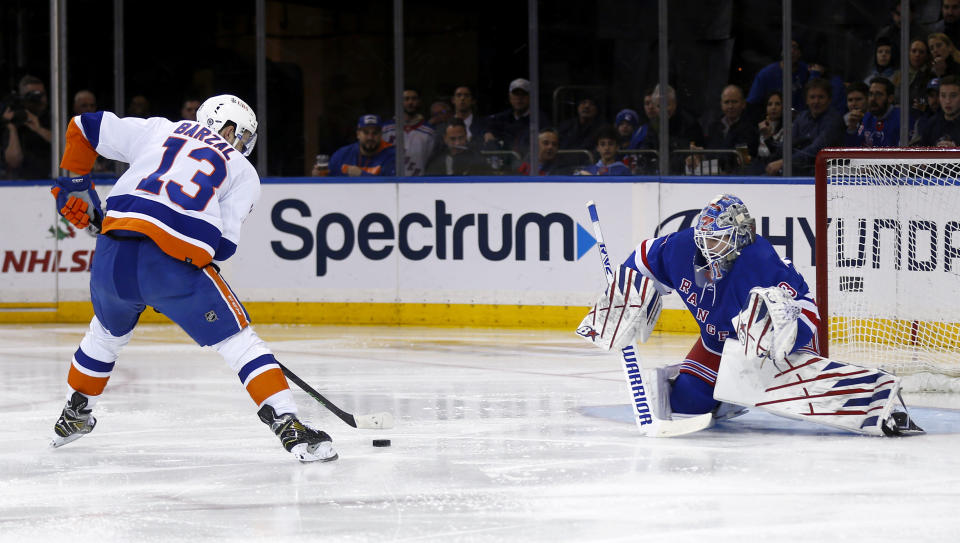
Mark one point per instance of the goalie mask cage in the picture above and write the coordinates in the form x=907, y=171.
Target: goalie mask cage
x=888, y=261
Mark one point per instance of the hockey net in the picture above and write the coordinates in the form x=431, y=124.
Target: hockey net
x=888, y=262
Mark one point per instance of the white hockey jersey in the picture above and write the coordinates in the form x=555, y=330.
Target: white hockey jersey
x=418, y=141
x=187, y=189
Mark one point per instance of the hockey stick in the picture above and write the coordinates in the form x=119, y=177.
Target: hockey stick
x=643, y=415
x=375, y=421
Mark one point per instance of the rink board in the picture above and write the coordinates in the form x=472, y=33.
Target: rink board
x=467, y=251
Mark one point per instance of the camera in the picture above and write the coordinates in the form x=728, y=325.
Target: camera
x=20, y=104
x=14, y=103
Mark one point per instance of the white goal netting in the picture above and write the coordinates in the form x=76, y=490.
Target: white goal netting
x=893, y=266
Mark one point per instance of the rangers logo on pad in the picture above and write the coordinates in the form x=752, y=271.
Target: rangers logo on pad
x=587, y=332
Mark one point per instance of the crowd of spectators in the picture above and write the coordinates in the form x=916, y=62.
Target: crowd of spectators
x=25, y=128
x=743, y=134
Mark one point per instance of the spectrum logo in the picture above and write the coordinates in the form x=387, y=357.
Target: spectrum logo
x=335, y=236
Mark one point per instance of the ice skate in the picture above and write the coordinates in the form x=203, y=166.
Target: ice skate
x=306, y=443
x=75, y=421
x=899, y=423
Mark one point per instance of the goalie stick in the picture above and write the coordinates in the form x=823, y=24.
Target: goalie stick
x=643, y=413
x=375, y=421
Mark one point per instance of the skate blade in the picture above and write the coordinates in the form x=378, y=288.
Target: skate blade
x=59, y=441
x=323, y=452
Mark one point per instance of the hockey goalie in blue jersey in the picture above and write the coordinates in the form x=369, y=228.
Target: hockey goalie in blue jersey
x=758, y=331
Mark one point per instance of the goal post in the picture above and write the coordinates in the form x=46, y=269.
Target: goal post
x=888, y=258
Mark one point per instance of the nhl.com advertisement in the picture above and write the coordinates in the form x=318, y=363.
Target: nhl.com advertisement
x=502, y=241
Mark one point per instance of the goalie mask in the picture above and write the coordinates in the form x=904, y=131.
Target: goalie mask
x=218, y=112
x=723, y=229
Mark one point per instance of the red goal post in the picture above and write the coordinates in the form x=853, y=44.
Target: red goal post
x=888, y=257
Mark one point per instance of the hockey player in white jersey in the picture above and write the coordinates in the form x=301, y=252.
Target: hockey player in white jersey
x=758, y=323
x=168, y=220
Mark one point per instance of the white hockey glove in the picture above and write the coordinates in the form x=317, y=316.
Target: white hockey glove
x=626, y=312
x=767, y=327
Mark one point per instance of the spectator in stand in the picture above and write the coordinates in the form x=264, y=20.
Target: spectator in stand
x=880, y=126
x=923, y=116
x=456, y=157
x=892, y=30
x=24, y=136
x=641, y=137
x=918, y=73
x=946, y=58
x=838, y=96
x=580, y=132
x=884, y=62
x=370, y=156
x=684, y=130
x=188, y=110
x=84, y=101
x=857, y=94
x=731, y=131
x=139, y=106
x=418, y=135
x=932, y=104
x=607, y=150
x=648, y=105
x=943, y=129
x=440, y=113
x=949, y=24
x=814, y=129
x=770, y=133
x=626, y=122
x=770, y=78
x=463, y=110
x=509, y=129
x=549, y=144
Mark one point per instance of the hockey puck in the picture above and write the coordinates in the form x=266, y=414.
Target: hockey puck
x=381, y=442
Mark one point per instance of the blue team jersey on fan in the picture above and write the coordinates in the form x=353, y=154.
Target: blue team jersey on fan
x=617, y=168
x=382, y=163
x=670, y=260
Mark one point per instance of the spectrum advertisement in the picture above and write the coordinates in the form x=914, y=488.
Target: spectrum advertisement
x=501, y=241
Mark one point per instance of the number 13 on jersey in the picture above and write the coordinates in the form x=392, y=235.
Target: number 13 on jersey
x=207, y=183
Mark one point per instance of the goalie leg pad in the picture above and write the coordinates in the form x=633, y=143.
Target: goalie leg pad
x=625, y=313
x=810, y=388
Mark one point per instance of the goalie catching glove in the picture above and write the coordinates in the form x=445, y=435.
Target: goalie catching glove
x=767, y=327
x=626, y=312
x=77, y=201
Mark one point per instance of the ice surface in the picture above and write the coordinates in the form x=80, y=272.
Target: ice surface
x=500, y=436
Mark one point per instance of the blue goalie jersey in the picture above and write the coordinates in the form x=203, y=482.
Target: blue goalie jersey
x=669, y=260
